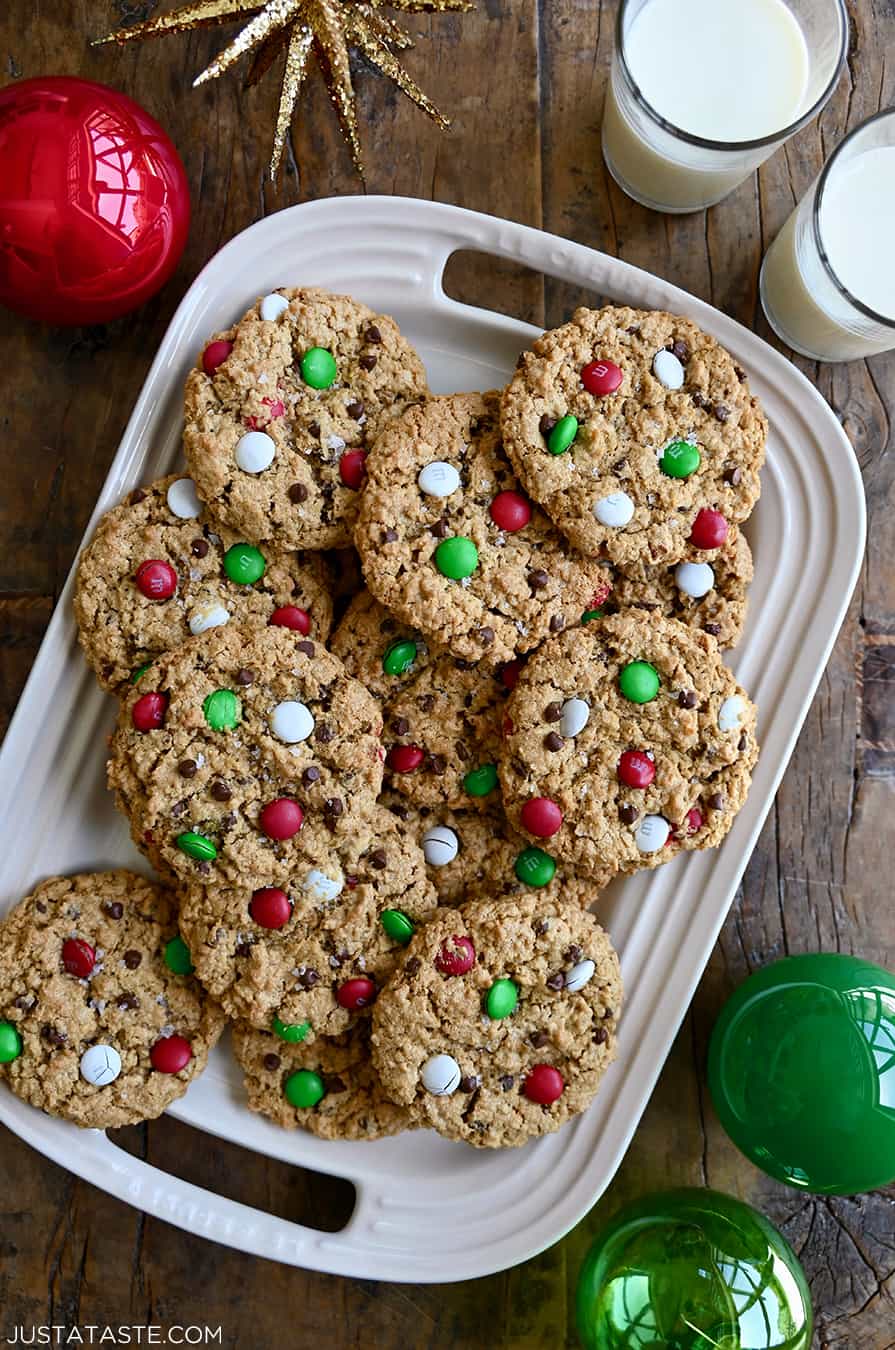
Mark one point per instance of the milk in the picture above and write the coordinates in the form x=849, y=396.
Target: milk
x=729, y=71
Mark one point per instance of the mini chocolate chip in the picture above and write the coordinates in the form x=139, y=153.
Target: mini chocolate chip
x=539, y=1039
x=333, y=806
x=552, y=741
x=553, y=712
x=538, y=579
x=204, y=868
x=440, y=530
x=245, y=676
x=400, y=726
x=306, y=648
x=742, y=742
x=187, y=768
x=355, y=410
x=620, y=465
x=114, y=909
x=627, y=813
x=199, y=548
x=271, y=1063
x=179, y=807
x=437, y=764
x=486, y=636
x=400, y=810
x=137, y=496
x=53, y=1036
x=717, y=801
x=733, y=476
x=556, y=981
x=379, y=859
x=713, y=629
x=506, y=1082
x=687, y=698
x=127, y=1002
x=722, y=412
x=740, y=374
x=24, y=1002
x=311, y=774
x=412, y=967
x=608, y=1014
x=699, y=400
x=244, y=949
x=573, y=953
x=540, y=926
x=389, y=536
x=470, y=1082
x=680, y=349
x=335, y=1084
x=557, y=623
x=635, y=328
x=40, y=907
x=462, y=750
x=132, y=958
x=308, y=978
x=298, y=493
x=314, y=428
x=220, y=790
x=601, y=1036
x=426, y=702
x=546, y=424
x=367, y=362
x=323, y=733
x=373, y=334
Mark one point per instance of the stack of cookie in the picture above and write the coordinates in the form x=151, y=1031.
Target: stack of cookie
x=383, y=842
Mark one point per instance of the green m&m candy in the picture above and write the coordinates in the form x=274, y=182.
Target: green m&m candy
x=502, y=999
x=291, y=1032
x=457, y=557
x=534, y=867
x=177, y=956
x=399, y=656
x=304, y=1088
x=222, y=710
x=140, y=672
x=397, y=925
x=639, y=681
x=196, y=846
x=318, y=368
x=592, y=614
x=10, y=1043
x=479, y=782
x=244, y=564
x=680, y=459
x=562, y=435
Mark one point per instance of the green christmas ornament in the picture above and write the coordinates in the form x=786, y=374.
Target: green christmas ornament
x=292, y=1032
x=534, y=867
x=501, y=1000
x=397, y=925
x=680, y=459
x=222, y=710
x=692, y=1270
x=479, y=782
x=639, y=681
x=562, y=435
x=177, y=956
x=244, y=564
x=318, y=368
x=456, y=558
x=304, y=1088
x=196, y=846
x=10, y=1043
x=802, y=1072
x=399, y=657
x=140, y=672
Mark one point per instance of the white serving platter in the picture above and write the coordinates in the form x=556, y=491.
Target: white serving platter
x=428, y=1210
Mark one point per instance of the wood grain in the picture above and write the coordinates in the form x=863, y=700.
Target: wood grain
x=523, y=81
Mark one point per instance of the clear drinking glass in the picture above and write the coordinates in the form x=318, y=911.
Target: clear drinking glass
x=806, y=300
x=669, y=169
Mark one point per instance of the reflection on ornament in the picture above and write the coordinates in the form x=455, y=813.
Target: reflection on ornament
x=692, y=1270
x=802, y=1072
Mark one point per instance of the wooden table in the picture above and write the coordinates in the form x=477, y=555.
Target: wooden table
x=524, y=84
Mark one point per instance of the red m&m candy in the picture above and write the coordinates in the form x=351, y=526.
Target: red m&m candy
x=601, y=594
x=509, y=674
x=292, y=616
x=456, y=956
x=636, y=769
x=353, y=468
x=270, y=907
x=276, y=408
x=215, y=355
x=78, y=957
x=281, y=819
x=543, y=1084
x=694, y=820
x=156, y=580
x=404, y=758
x=510, y=511
x=171, y=1054
x=601, y=378
x=148, y=713
x=355, y=994
x=709, y=529
x=541, y=816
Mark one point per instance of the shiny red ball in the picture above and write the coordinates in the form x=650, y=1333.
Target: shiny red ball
x=281, y=819
x=156, y=580
x=78, y=957
x=215, y=355
x=543, y=1084
x=148, y=713
x=292, y=616
x=510, y=511
x=636, y=769
x=541, y=817
x=353, y=468
x=601, y=378
x=456, y=956
x=404, y=758
x=94, y=211
x=270, y=907
x=709, y=529
x=356, y=994
x=171, y=1054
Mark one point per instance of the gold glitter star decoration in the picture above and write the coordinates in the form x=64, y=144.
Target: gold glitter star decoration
x=326, y=28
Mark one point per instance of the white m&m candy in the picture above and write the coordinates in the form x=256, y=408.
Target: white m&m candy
x=694, y=579
x=272, y=306
x=652, y=834
x=730, y=714
x=100, y=1065
x=441, y=1075
x=208, y=616
x=668, y=370
x=438, y=479
x=183, y=500
x=291, y=722
x=255, y=451
x=580, y=975
x=575, y=717
x=614, y=511
x=320, y=888
x=440, y=845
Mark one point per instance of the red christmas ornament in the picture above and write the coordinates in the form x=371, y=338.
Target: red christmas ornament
x=601, y=377
x=78, y=957
x=541, y=817
x=270, y=907
x=709, y=529
x=95, y=203
x=543, y=1085
x=156, y=580
x=404, y=758
x=281, y=819
x=355, y=994
x=148, y=713
x=510, y=511
x=171, y=1054
x=636, y=769
x=353, y=468
x=456, y=956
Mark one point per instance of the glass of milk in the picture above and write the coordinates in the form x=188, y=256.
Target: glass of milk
x=703, y=91
x=828, y=279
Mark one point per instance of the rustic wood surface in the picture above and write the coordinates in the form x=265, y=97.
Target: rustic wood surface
x=523, y=82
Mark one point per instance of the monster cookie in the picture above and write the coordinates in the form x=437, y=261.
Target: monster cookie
x=450, y=544
x=328, y=1086
x=501, y=1019
x=243, y=750
x=101, y=1020
x=159, y=570
x=711, y=596
x=442, y=717
x=631, y=741
x=312, y=945
x=282, y=409
x=637, y=433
